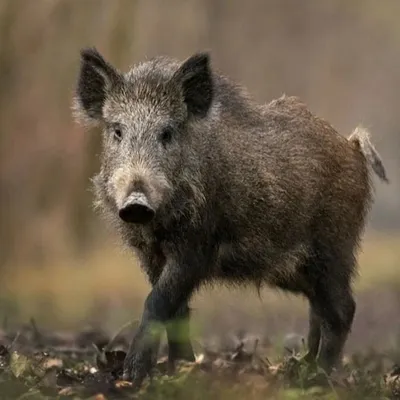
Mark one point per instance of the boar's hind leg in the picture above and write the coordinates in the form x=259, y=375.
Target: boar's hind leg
x=178, y=335
x=334, y=304
x=314, y=336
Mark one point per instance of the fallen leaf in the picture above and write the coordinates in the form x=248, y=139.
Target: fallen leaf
x=67, y=391
x=19, y=364
x=123, y=384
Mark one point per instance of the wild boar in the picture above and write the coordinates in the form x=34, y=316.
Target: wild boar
x=206, y=185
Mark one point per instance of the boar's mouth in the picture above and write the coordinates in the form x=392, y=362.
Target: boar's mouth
x=136, y=209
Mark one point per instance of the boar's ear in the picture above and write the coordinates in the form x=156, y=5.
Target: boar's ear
x=96, y=78
x=195, y=78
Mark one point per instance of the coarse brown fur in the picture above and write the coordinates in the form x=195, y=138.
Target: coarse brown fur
x=242, y=192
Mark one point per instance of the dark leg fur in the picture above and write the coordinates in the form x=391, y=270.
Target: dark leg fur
x=334, y=304
x=179, y=348
x=314, y=336
x=174, y=287
x=178, y=335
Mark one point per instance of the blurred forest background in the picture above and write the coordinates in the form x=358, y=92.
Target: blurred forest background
x=58, y=261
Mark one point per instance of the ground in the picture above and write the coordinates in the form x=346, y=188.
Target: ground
x=36, y=364
x=58, y=336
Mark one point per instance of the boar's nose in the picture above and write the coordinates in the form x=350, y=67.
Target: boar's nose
x=136, y=209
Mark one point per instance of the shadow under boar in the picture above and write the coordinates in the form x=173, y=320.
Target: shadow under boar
x=205, y=185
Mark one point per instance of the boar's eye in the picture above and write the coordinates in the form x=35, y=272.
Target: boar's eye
x=166, y=135
x=117, y=132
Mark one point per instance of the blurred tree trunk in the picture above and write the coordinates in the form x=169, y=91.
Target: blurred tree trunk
x=116, y=48
x=8, y=73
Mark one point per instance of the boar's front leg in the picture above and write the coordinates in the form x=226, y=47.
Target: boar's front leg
x=178, y=335
x=174, y=287
x=178, y=329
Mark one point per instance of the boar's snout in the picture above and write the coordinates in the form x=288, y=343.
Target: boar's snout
x=136, y=209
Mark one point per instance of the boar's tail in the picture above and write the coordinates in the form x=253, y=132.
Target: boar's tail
x=361, y=138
